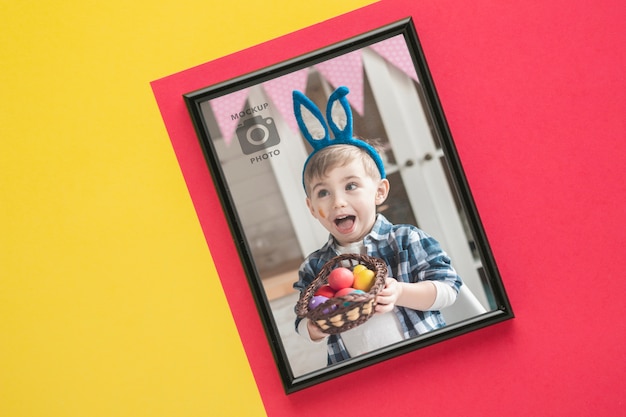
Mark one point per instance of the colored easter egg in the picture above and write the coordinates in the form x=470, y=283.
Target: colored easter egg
x=326, y=291
x=340, y=278
x=358, y=268
x=364, y=279
x=330, y=309
x=344, y=291
x=316, y=301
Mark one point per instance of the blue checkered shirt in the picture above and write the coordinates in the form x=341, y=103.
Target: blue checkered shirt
x=411, y=256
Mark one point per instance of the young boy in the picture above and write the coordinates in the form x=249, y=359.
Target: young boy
x=344, y=180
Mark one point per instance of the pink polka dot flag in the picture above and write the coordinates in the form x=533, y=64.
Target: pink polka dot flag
x=280, y=91
x=394, y=50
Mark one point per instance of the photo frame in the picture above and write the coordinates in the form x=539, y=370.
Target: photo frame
x=255, y=153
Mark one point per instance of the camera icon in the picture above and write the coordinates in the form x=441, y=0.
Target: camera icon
x=256, y=134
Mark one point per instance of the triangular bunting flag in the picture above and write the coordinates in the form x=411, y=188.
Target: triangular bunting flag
x=395, y=51
x=224, y=108
x=279, y=90
x=346, y=70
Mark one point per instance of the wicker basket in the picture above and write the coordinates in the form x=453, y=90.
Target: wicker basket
x=339, y=314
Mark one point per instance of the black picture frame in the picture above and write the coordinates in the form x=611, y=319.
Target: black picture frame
x=497, y=306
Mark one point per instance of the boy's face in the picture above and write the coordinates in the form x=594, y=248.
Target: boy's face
x=345, y=200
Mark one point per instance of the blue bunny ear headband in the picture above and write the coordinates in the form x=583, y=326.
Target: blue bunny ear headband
x=339, y=116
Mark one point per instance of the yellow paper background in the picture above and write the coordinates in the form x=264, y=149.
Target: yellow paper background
x=109, y=301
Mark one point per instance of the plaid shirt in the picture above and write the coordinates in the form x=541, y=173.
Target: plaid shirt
x=411, y=256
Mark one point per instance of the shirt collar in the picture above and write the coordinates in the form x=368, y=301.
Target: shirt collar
x=381, y=228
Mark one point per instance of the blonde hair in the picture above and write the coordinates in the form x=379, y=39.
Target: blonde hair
x=337, y=156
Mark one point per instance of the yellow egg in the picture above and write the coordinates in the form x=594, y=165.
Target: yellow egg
x=364, y=279
x=358, y=269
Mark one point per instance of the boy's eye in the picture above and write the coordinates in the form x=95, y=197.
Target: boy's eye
x=322, y=193
x=351, y=186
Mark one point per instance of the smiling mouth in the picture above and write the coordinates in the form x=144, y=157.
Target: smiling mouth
x=344, y=223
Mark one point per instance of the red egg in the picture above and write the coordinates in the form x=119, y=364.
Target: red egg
x=340, y=278
x=345, y=291
x=326, y=291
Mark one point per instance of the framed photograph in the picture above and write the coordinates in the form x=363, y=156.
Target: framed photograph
x=256, y=151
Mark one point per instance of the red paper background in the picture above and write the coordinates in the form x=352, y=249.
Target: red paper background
x=536, y=103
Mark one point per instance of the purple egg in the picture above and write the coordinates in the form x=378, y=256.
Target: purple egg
x=330, y=309
x=316, y=301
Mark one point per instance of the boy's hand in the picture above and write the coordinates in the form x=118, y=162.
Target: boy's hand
x=387, y=297
x=415, y=295
x=314, y=332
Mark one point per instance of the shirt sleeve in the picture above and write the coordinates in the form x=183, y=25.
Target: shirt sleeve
x=306, y=275
x=446, y=296
x=433, y=264
x=304, y=278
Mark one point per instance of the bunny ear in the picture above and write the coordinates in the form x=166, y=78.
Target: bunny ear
x=339, y=114
x=310, y=120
